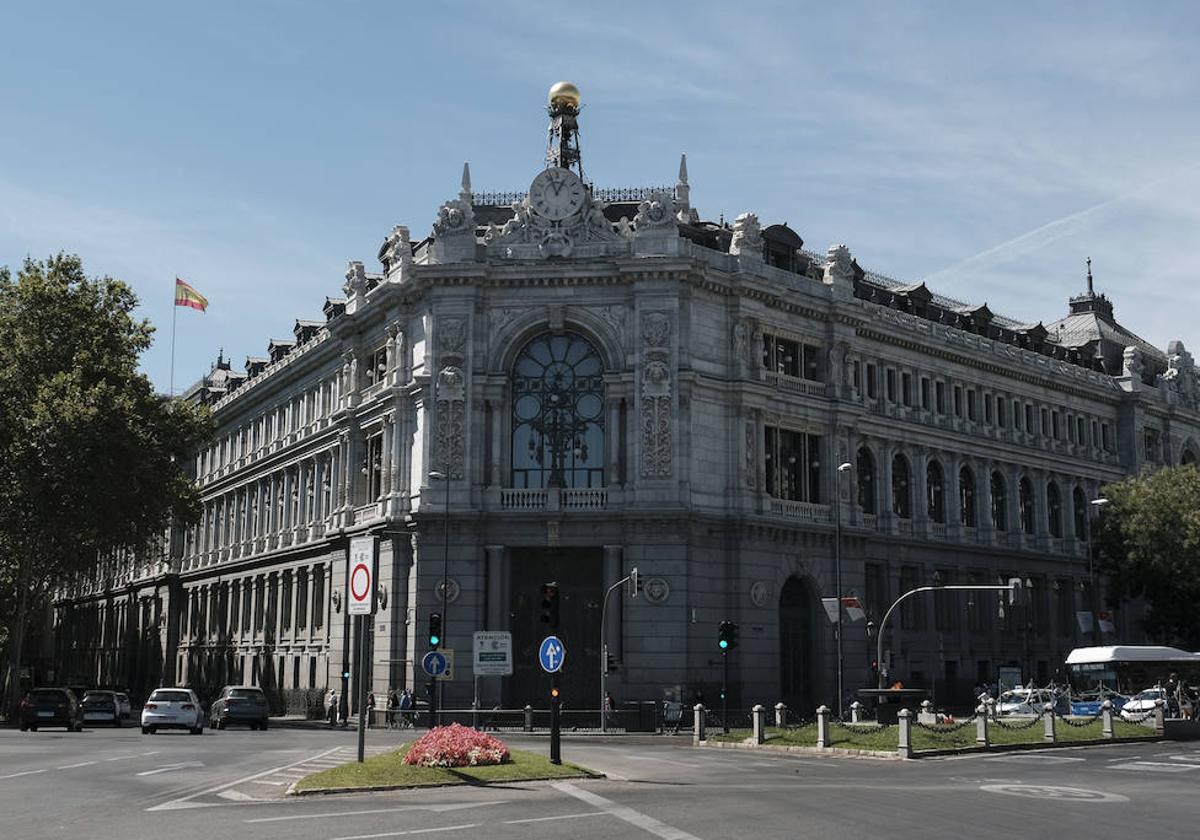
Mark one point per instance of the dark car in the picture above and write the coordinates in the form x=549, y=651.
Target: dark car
x=240, y=704
x=101, y=707
x=51, y=707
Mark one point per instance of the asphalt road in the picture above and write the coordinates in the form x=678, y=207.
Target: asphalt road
x=122, y=784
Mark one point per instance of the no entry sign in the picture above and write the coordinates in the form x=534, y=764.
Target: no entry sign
x=360, y=582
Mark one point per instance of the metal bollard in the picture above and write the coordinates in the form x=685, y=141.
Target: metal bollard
x=1051, y=735
x=856, y=712
x=1159, y=722
x=904, y=747
x=780, y=715
x=981, y=726
x=529, y=718
x=698, y=724
x=1106, y=719
x=822, y=727
x=758, y=716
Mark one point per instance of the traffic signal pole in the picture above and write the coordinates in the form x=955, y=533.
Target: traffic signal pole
x=555, y=721
x=632, y=576
x=725, y=691
x=363, y=663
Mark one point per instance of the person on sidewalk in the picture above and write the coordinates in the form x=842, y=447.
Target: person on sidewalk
x=393, y=703
x=406, y=718
x=331, y=706
x=370, y=707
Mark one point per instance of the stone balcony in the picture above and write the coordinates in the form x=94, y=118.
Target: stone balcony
x=554, y=498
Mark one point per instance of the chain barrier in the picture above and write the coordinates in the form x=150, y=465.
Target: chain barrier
x=865, y=726
x=1142, y=719
x=946, y=729
x=1082, y=724
x=1016, y=727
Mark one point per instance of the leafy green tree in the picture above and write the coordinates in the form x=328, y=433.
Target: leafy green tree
x=1150, y=548
x=91, y=458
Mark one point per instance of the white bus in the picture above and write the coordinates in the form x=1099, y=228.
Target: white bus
x=1118, y=672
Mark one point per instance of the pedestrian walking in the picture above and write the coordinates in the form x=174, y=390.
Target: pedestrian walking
x=393, y=703
x=406, y=703
x=331, y=706
x=370, y=707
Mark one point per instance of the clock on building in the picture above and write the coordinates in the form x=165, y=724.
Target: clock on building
x=556, y=194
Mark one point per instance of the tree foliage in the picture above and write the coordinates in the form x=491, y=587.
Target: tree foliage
x=90, y=456
x=1150, y=548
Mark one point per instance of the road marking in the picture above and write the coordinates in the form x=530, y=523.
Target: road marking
x=1156, y=766
x=238, y=796
x=559, y=817
x=121, y=758
x=186, y=801
x=1056, y=793
x=450, y=806
x=642, y=821
x=1035, y=759
x=410, y=831
x=170, y=767
x=691, y=764
x=23, y=773
x=73, y=766
x=152, y=752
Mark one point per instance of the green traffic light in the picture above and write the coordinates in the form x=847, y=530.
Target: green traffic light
x=724, y=643
x=434, y=640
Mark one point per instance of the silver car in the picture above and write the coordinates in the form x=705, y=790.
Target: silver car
x=172, y=708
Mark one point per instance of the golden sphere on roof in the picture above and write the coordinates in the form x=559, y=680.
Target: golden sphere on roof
x=564, y=93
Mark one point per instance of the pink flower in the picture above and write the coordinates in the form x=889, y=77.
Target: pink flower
x=456, y=746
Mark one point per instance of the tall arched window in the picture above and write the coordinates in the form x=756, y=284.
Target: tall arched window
x=935, y=490
x=966, y=497
x=866, y=480
x=1054, y=509
x=1025, y=500
x=1080, y=505
x=999, y=503
x=901, y=487
x=558, y=414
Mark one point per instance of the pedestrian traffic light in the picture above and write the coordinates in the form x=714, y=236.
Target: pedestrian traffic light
x=435, y=630
x=550, y=605
x=727, y=633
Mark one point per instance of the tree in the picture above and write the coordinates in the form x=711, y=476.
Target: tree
x=91, y=458
x=1150, y=548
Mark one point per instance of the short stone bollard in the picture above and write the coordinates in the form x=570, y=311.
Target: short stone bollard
x=1048, y=716
x=1106, y=719
x=529, y=718
x=698, y=734
x=780, y=715
x=856, y=712
x=822, y=727
x=981, y=726
x=904, y=747
x=1159, y=722
x=991, y=708
x=758, y=716
x=927, y=715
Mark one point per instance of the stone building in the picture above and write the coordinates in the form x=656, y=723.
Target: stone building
x=571, y=382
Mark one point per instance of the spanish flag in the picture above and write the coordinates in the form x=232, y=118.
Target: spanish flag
x=185, y=295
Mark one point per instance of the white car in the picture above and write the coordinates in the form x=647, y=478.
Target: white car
x=1142, y=703
x=172, y=708
x=1024, y=701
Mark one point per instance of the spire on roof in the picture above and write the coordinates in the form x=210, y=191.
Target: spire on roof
x=683, y=169
x=1091, y=291
x=465, y=193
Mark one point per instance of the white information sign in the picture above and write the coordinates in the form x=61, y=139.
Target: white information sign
x=493, y=653
x=360, y=583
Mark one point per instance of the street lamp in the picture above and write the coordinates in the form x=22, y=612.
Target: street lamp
x=445, y=478
x=1098, y=504
x=837, y=574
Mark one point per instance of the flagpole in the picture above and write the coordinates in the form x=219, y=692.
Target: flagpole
x=174, y=315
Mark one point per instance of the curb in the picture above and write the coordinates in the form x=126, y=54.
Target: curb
x=842, y=752
x=831, y=752
x=291, y=791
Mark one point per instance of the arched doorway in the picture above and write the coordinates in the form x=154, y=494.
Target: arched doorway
x=798, y=672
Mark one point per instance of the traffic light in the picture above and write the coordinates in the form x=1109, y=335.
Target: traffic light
x=550, y=605
x=554, y=693
x=345, y=675
x=727, y=633
x=435, y=630
x=610, y=663
x=635, y=585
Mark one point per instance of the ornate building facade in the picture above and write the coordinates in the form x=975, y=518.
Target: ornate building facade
x=571, y=382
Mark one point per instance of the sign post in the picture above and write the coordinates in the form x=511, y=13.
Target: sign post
x=361, y=586
x=550, y=656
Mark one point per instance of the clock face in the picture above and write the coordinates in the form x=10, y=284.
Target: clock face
x=556, y=194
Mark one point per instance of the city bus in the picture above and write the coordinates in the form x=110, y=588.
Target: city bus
x=1118, y=672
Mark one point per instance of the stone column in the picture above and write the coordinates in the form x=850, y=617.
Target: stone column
x=497, y=587
x=385, y=479
x=613, y=455
x=920, y=489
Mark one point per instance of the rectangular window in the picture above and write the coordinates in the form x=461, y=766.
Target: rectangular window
x=301, y=599
x=374, y=467
x=925, y=392
x=1153, y=438
x=872, y=385
x=1029, y=418
x=811, y=358
x=856, y=374
x=1017, y=415
x=792, y=463
x=1045, y=418
x=260, y=603
x=876, y=589
x=1070, y=428
x=1055, y=427
x=1081, y=430
x=890, y=379
x=285, y=618
x=940, y=394
x=318, y=606
x=235, y=600
x=987, y=409
x=910, y=610
x=1104, y=438
x=958, y=401
x=906, y=390
x=247, y=605
x=1095, y=433
x=376, y=364
x=971, y=405
x=781, y=356
x=1001, y=409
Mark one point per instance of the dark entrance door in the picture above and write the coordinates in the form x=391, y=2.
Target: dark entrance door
x=797, y=648
x=579, y=573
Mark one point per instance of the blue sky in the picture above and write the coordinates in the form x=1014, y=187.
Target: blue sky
x=254, y=148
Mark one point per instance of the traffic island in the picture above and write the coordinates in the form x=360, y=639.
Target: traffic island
x=447, y=755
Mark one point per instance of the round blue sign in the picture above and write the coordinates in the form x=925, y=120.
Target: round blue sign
x=434, y=663
x=551, y=654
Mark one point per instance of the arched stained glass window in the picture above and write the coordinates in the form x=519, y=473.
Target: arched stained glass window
x=1054, y=509
x=1080, y=509
x=966, y=497
x=866, y=480
x=901, y=488
x=935, y=488
x=1025, y=500
x=558, y=414
x=999, y=503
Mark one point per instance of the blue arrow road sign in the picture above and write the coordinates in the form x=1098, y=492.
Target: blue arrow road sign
x=434, y=663
x=551, y=654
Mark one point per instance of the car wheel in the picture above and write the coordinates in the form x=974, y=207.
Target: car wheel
x=153, y=730
x=221, y=724
x=262, y=724
x=24, y=727
x=32, y=727
x=117, y=721
x=78, y=727
x=145, y=730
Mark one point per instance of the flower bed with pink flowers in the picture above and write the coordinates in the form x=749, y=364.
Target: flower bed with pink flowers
x=456, y=746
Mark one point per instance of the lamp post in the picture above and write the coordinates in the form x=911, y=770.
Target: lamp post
x=837, y=575
x=444, y=477
x=1091, y=549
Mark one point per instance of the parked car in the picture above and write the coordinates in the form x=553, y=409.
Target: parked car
x=1024, y=701
x=124, y=707
x=172, y=708
x=240, y=704
x=51, y=707
x=1142, y=703
x=101, y=707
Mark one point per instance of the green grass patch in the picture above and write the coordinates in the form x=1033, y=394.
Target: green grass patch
x=389, y=769
x=885, y=740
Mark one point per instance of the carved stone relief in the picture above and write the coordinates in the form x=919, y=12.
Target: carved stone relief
x=452, y=337
x=747, y=236
x=656, y=414
x=449, y=426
